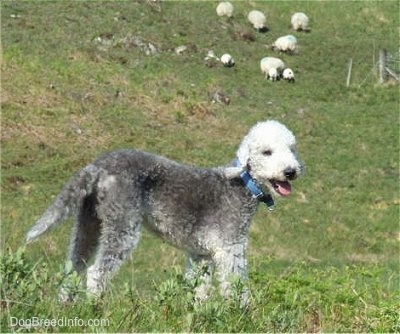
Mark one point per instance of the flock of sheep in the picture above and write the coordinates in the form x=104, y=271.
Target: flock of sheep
x=273, y=68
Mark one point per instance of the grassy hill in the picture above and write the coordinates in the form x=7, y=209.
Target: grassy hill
x=82, y=78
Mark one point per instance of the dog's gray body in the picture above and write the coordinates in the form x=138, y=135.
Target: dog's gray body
x=206, y=212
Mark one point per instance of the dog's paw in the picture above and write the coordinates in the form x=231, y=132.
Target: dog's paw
x=203, y=292
x=65, y=296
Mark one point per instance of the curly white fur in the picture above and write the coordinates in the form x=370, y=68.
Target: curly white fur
x=269, y=148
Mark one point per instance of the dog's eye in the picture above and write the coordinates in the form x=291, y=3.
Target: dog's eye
x=267, y=152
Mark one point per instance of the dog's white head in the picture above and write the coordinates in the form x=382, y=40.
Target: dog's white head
x=268, y=153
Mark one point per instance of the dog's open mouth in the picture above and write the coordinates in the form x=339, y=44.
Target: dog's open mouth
x=283, y=188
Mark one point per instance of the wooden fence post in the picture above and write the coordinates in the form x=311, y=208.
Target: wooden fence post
x=382, y=65
x=349, y=72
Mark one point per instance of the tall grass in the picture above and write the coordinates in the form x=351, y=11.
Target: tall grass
x=298, y=298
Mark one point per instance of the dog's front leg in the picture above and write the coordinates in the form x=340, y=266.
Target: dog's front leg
x=231, y=265
x=199, y=272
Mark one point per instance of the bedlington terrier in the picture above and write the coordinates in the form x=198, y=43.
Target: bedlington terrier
x=205, y=212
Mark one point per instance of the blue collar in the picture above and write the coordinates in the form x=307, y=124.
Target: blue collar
x=255, y=189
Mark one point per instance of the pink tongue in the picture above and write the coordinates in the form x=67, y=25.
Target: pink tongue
x=283, y=188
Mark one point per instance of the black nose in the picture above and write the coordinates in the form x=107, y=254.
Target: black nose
x=290, y=173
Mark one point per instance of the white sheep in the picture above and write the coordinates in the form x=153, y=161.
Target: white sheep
x=225, y=9
x=258, y=20
x=288, y=75
x=272, y=67
x=286, y=43
x=300, y=22
x=227, y=60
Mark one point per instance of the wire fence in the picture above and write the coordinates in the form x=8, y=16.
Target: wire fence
x=385, y=68
x=392, y=64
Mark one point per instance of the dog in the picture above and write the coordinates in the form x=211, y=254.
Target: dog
x=205, y=212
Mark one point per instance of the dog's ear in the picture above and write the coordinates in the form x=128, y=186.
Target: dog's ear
x=243, y=154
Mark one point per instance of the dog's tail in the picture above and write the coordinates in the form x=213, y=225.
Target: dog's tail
x=67, y=202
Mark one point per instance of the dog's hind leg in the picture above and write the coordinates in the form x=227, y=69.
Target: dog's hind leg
x=119, y=210
x=85, y=235
x=114, y=248
x=84, y=241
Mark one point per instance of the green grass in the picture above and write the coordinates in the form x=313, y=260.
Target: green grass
x=301, y=298
x=326, y=260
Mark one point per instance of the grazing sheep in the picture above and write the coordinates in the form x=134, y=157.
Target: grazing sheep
x=225, y=9
x=258, y=20
x=288, y=75
x=212, y=60
x=272, y=68
x=227, y=60
x=300, y=22
x=286, y=43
